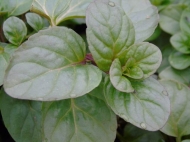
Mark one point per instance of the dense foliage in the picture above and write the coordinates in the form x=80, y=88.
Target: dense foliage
x=95, y=70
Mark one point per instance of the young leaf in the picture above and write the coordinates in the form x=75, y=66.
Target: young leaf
x=4, y=61
x=179, y=61
x=180, y=42
x=147, y=57
x=59, y=10
x=14, y=30
x=179, y=120
x=119, y=81
x=50, y=66
x=181, y=76
x=134, y=134
x=147, y=108
x=14, y=7
x=185, y=21
x=109, y=32
x=143, y=15
x=186, y=141
x=170, y=17
x=84, y=119
x=35, y=21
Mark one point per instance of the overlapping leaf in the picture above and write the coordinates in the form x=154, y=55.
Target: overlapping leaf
x=14, y=7
x=179, y=120
x=109, y=32
x=4, y=61
x=134, y=134
x=50, y=66
x=148, y=107
x=180, y=42
x=119, y=81
x=170, y=18
x=179, y=61
x=147, y=57
x=182, y=76
x=35, y=21
x=59, y=10
x=185, y=21
x=14, y=30
x=143, y=15
x=85, y=119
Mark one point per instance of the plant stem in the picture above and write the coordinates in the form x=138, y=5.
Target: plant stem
x=178, y=139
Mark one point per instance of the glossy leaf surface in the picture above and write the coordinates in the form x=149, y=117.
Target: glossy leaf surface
x=179, y=61
x=179, y=120
x=180, y=42
x=143, y=15
x=147, y=108
x=14, y=30
x=14, y=7
x=59, y=10
x=109, y=32
x=50, y=66
x=134, y=134
x=119, y=81
x=182, y=76
x=170, y=18
x=85, y=119
x=146, y=56
x=35, y=21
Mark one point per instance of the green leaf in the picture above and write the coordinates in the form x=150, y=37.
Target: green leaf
x=4, y=61
x=108, y=34
x=185, y=21
x=50, y=66
x=186, y=141
x=179, y=120
x=170, y=17
x=134, y=134
x=143, y=15
x=35, y=21
x=84, y=119
x=120, y=82
x=14, y=7
x=179, y=61
x=14, y=30
x=59, y=10
x=134, y=72
x=166, y=51
x=181, y=76
x=147, y=108
x=147, y=57
x=10, y=49
x=180, y=42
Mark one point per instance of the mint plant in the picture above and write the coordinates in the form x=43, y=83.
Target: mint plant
x=57, y=88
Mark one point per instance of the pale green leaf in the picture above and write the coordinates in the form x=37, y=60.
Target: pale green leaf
x=170, y=18
x=147, y=57
x=180, y=42
x=50, y=66
x=84, y=119
x=179, y=120
x=185, y=21
x=14, y=30
x=186, y=141
x=14, y=7
x=109, y=32
x=147, y=108
x=119, y=81
x=4, y=61
x=35, y=21
x=10, y=49
x=143, y=15
x=179, y=61
x=134, y=72
x=182, y=76
x=134, y=134
x=59, y=10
